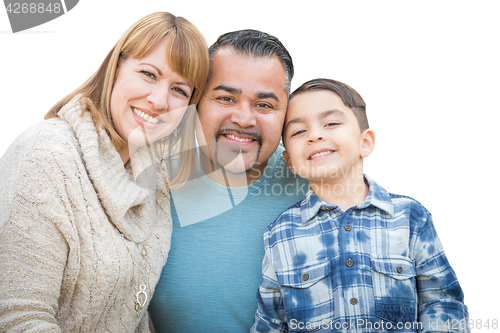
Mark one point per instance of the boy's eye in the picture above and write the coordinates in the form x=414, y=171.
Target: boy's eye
x=331, y=124
x=297, y=133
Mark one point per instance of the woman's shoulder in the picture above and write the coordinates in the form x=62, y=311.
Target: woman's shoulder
x=51, y=136
x=46, y=146
x=35, y=162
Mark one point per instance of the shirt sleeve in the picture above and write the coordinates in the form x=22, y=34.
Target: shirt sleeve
x=270, y=315
x=441, y=305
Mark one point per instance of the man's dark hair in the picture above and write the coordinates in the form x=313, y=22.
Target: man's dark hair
x=348, y=95
x=257, y=44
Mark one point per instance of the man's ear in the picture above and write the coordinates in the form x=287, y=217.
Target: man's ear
x=288, y=161
x=367, y=142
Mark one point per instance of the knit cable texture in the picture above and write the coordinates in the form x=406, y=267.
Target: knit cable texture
x=68, y=211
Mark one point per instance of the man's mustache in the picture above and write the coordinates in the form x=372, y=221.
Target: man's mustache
x=254, y=135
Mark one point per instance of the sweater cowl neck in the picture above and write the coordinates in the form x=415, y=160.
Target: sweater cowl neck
x=128, y=205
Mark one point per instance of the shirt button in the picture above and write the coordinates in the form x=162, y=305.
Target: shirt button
x=305, y=277
x=400, y=270
x=354, y=301
x=347, y=227
x=349, y=263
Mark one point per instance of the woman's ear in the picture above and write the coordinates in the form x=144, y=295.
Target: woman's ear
x=367, y=142
x=288, y=161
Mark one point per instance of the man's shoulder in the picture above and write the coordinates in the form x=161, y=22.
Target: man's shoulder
x=278, y=170
x=277, y=161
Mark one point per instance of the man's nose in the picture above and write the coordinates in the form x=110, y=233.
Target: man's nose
x=244, y=116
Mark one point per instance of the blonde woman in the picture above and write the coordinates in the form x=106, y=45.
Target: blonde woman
x=82, y=241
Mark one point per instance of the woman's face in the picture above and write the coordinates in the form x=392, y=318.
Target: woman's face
x=148, y=99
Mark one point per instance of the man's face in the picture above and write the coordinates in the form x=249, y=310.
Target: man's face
x=242, y=111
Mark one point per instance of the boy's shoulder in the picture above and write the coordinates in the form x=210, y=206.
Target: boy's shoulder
x=396, y=203
x=290, y=216
x=400, y=205
x=406, y=203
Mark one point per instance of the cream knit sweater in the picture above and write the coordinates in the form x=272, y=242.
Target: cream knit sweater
x=71, y=219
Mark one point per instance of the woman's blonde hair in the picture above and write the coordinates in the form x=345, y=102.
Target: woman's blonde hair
x=187, y=55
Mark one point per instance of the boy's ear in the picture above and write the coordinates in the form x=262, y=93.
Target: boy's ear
x=288, y=161
x=367, y=142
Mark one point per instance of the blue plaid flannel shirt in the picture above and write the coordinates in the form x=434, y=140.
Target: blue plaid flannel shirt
x=375, y=267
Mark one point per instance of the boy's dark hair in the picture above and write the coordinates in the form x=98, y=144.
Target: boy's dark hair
x=348, y=95
x=257, y=44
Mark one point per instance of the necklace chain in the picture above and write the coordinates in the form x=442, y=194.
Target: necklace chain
x=141, y=297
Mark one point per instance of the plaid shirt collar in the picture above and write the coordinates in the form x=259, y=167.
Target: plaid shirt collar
x=377, y=197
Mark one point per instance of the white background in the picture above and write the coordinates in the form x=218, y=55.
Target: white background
x=428, y=70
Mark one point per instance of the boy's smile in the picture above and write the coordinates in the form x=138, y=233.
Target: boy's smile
x=318, y=154
x=322, y=138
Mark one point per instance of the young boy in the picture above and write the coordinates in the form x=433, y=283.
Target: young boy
x=350, y=256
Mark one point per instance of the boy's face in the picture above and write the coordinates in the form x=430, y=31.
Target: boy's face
x=322, y=137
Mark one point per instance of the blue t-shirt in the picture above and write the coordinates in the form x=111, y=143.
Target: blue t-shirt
x=213, y=270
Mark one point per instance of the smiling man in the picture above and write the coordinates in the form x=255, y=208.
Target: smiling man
x=241, y=115
x=210, y=281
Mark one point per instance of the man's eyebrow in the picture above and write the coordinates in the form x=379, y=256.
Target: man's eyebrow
x=264, y=95
x=228, y=89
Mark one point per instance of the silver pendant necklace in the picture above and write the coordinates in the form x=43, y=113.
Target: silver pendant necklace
x=140, y=283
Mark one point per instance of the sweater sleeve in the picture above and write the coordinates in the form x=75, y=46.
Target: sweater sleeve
x=33, y=251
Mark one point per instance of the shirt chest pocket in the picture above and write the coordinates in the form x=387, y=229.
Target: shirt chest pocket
x=394, y=288
x=307, y=294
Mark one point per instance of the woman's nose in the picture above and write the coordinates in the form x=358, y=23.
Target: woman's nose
x=158, y=97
